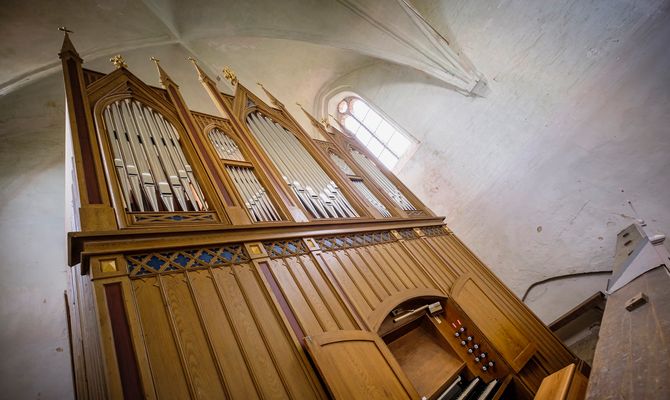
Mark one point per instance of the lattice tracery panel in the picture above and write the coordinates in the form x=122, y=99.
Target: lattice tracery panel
x=158, y=218
x=354, y=240
x=407, y=234
x=285, y=248
x=434, y=231
x=140, y=265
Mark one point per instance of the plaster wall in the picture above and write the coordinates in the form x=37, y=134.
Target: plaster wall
x=33, y=337
x=569, y=147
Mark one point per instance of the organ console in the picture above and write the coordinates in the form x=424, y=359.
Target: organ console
x=234, y=256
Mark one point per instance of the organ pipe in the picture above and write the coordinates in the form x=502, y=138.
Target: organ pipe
x=312, y=186
x=255, y=198
x=152, y=169
x=381, y=180
x=360, y=186
x=225, y=147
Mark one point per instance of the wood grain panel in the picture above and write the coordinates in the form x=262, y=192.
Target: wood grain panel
x=372, y=273
x=358, y=365
x=438, y=270
x=407, y=264
x=565, y=384
x=288, y=362
x=335, y=304
x=358, y=279
x=201, y=368
x=344, y=281
x=358, y=256
x=258, y=356
x=226, y=341
x=296, y=295
x=168, y=374
x=393, y=273
x=317, y=304
x=503, y=334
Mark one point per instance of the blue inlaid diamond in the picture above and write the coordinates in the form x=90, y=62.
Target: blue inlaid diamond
x=292, y=247
x=181, y=260
x=206, y=257
x=155, y=263
x=227, y=255
x=177, y=217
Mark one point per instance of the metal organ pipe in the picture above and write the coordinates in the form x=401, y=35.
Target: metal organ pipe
x=225, y=147
x=253, y=193
x=313, y=187
x=360, y=185
x=381, y=179
x=151, y=166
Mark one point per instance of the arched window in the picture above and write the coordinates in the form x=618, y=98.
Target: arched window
x=380, y=136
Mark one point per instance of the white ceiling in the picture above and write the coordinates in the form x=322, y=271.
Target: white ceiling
x=357, y=31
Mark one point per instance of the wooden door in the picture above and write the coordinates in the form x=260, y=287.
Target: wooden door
x=358, y=365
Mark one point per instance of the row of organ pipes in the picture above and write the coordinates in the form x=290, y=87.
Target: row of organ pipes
x=316, y=191
x=151, y=166
x=155, y=176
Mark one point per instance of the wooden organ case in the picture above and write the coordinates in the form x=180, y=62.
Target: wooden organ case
x=234, y=256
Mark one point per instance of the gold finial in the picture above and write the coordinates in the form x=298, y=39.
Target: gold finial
x=229, y=74
x=154, y=59
x=118, y=61
x=65, y=30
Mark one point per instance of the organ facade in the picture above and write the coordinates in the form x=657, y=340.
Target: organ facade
x=234, y=256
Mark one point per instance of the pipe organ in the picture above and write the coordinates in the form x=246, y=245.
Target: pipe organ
x=234, y=256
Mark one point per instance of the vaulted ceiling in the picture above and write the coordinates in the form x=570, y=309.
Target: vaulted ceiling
x=336, y=35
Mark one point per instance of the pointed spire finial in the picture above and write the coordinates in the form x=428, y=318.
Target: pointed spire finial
x=325, y=122
x=273, y=99
x=229, y=74
x=67, y=46
x=118, y=61
x=202, y=76
x=163, y=77
x=299, y=105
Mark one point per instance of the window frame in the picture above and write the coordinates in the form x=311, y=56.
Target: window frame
x=340, y=117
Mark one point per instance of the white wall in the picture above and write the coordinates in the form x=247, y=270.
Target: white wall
x=33, y=334
x=536, y=177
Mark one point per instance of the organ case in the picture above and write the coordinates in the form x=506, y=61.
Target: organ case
x=233, y=256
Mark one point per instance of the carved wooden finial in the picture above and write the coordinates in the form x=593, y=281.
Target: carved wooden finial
x=118, y=61
x=298, y=104
x=229, y=74
x=325, y=122
x=154, y=59
x=67, y=49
